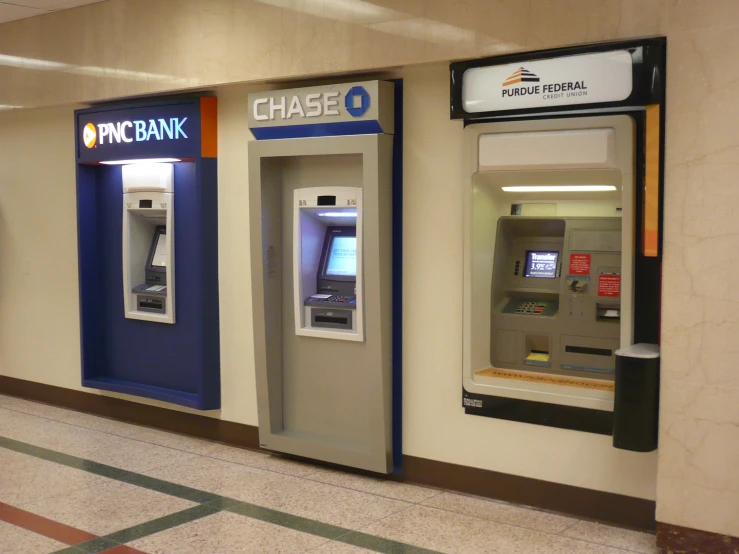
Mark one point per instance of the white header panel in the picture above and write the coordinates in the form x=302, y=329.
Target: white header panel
x=581, y=79
x=582, y=148
x=148, y=177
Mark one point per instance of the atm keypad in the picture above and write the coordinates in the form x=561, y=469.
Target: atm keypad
x=531, y=308
x=337, y=298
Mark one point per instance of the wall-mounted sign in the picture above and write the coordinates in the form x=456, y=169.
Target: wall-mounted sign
x=583, y=79
x=163, y=130
x=618, y=74
x=342, y=109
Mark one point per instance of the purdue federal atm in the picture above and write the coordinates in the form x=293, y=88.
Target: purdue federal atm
x=322, y=240
x=562, y=243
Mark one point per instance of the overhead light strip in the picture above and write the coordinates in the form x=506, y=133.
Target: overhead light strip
x=560, y=188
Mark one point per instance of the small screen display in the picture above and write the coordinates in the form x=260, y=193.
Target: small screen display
x=160, y=252
x=541, y=264
x=342, y=257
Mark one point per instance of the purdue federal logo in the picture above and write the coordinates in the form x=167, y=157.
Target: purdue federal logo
x=518, y=84
x=519, y=76
x=89, y=135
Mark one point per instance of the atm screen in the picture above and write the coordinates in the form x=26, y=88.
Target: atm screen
x=541, y=264
x=342, y=257
x=160, y=252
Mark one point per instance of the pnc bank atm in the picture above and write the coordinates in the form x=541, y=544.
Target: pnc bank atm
x=322, y=240
x=148, y=239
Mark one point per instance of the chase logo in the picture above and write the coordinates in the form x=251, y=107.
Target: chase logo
x=89, y=135
x=357, y=101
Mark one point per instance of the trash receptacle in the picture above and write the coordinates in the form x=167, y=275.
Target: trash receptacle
x=636, y=407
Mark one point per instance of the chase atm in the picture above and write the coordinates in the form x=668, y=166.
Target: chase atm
x=562, y=243
x=323, y=241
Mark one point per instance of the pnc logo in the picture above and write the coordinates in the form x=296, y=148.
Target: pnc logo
x=89, y=135
x=133, y=131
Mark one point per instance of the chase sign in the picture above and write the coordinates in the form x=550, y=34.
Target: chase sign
x=349, y=108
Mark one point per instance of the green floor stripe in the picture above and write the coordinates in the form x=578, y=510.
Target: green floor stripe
x=209, y=504
x=297, y=523
x=117, y=474
x=379, y=544
x=101, y=544
x=162, y=523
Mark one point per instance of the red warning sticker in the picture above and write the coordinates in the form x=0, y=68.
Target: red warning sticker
x=609, y=284
x=579, y=264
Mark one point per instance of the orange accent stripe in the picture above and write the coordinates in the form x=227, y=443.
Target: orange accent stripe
x=548, y=379
x=209, y=126
x=43, y=526
x=650, y=224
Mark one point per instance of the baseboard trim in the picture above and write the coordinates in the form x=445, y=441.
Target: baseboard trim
x=184, y=423
x=626, y=511
x=674, y=539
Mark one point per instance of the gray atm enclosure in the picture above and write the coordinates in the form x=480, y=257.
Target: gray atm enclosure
x=320, y=396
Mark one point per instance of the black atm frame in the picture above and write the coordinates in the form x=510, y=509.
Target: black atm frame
x=649, y=65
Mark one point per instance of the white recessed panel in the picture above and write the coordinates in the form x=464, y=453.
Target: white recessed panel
x=582, y=148
x=11, y=13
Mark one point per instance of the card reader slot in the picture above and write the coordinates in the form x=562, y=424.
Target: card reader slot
x=589, y=351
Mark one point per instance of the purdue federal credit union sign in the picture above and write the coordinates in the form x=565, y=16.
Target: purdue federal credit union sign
x=341, y=109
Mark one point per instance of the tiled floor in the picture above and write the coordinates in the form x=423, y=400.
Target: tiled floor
x=71, y=482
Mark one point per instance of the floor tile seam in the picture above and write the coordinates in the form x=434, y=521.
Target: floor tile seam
x=217, y=499
x=504, y=503
x=366, y=492
x=128, y=437
x=621, y=548
x=210, y=456
x=506, y=524
x=123, y=475
x=337, y=538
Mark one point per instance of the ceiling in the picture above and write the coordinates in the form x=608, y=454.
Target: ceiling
x=20, y=9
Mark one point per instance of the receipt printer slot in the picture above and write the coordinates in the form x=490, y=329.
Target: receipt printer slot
x=605, y=312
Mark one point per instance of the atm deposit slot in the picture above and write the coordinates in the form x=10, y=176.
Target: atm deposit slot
x=555, y=295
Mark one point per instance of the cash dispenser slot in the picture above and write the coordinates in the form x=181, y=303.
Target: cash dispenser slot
x=537, y=349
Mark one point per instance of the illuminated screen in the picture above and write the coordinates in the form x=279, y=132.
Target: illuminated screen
x=342, y=257
x=541, y=264
x=160, y=253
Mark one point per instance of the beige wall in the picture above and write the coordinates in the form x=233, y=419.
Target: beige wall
x=175, y=44
x=127, y=47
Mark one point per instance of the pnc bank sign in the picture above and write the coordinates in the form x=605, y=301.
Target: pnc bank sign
x=139, y=130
